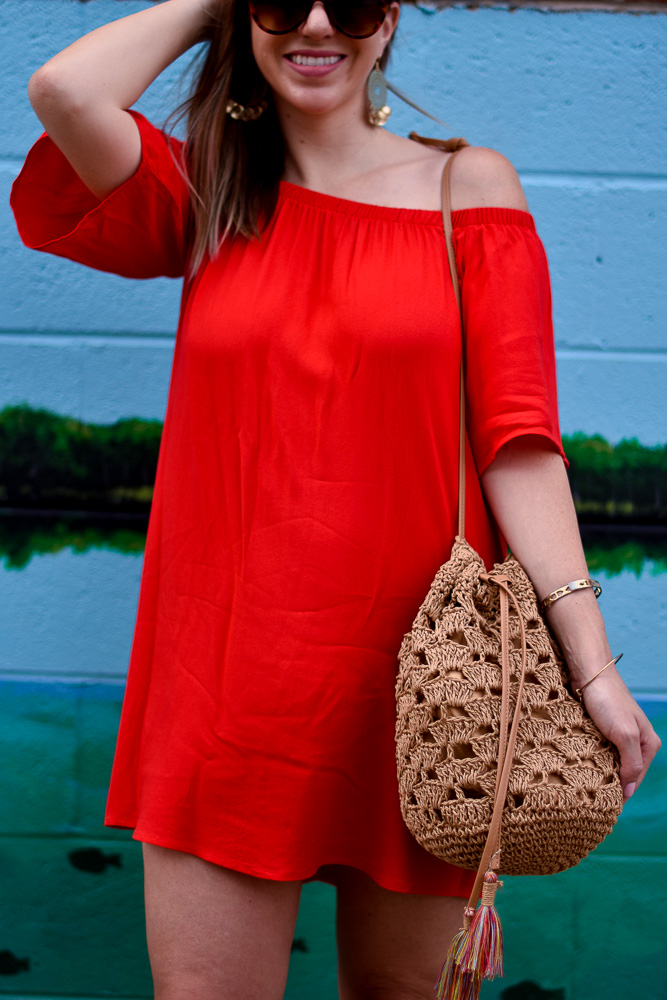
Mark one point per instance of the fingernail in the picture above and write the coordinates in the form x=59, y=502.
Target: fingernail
x=629, y=789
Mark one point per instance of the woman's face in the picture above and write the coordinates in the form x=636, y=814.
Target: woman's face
x=340, y=73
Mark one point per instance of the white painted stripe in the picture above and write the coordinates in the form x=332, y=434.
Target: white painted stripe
x=616, y=355
x=62, y=339
x=593, y=181
x=99, y=680
x=90, y=680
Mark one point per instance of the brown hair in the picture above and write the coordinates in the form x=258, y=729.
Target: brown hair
x=233, y=166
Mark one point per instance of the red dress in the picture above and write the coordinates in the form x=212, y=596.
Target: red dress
x=305, y=496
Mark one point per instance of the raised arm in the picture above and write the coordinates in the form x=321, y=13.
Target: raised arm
x=82, y=94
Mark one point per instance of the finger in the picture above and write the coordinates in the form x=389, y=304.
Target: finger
x=650, y=743
x=632, y=763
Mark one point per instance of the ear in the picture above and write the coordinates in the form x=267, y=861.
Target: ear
x=389, y=24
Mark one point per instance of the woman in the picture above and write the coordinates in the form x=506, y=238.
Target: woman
x=306, y=488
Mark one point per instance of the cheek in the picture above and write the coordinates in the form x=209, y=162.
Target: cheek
x=257, y=39
x=263, y=51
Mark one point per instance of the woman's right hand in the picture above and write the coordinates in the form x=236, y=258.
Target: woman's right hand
x=82, y=94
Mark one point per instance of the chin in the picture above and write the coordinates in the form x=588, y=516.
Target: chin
x=313, y=101
x=316, y=107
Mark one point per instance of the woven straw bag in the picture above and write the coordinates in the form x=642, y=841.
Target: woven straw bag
x=500, y=769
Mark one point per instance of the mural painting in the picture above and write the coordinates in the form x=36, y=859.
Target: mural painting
x=76, y=494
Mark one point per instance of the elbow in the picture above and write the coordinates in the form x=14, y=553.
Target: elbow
x=52, y=94
x=42, y=88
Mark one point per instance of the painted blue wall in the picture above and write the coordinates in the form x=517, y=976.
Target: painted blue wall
x=576, y=100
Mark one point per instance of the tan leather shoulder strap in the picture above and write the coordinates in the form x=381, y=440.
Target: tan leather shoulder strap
x=507, y=745
x=447, y=226
x=507, y=742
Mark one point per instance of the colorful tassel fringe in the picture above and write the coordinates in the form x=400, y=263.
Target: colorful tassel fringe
x=454, y=983
x=476, y=953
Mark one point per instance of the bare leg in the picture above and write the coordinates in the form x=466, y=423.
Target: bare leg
x=391, y=945
x=213, y=933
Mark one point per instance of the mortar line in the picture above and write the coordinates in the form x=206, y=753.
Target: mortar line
x=69, y=338
x=13, y=164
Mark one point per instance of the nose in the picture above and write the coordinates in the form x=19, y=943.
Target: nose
x=317, y=24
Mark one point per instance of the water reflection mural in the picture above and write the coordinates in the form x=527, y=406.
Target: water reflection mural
x=74, y=502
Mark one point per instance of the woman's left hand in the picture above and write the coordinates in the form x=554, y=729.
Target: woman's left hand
x=618, y=717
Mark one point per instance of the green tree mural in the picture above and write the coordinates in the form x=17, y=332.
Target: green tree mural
x=48, y=460
x=53, y=461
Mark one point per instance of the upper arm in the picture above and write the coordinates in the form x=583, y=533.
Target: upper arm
x=483, y=177
x=140, y=230
x=507, y=315
x=101, y=142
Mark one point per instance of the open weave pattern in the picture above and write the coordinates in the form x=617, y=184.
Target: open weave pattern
x=564, y=791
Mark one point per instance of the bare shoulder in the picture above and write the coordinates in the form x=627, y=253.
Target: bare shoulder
x=482, y=176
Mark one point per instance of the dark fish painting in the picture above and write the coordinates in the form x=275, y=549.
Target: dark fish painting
x=10, y=965
x=528, y=990
x=91, y=859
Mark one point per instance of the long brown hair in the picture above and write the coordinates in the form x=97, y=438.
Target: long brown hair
x=233, y=167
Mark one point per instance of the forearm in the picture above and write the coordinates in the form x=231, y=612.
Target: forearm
x=113, y=65
x=528, y=491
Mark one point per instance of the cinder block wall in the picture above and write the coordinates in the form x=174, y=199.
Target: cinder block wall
x=575, y=100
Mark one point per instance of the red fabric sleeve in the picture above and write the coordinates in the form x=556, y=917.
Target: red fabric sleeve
x=138, y=231
x=510, y=357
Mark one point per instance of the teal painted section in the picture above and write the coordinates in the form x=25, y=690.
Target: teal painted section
x=597, y=931
x=575, y=100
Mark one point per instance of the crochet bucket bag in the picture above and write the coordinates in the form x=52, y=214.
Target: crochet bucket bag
x=500, y=769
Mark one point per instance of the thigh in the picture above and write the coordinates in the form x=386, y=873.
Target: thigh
x=391, y=945
x=213, y=932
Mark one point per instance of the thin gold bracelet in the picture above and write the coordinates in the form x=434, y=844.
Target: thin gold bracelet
x=569, y=588
x=579, y=691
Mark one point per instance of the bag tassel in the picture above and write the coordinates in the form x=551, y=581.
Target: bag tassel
x=476, y=953
x=454, y=983
x=483, y=952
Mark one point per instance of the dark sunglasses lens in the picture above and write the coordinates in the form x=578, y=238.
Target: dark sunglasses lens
x=357, y=18
x=279, y=18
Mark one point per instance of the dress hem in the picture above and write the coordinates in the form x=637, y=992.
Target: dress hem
x=312, y=876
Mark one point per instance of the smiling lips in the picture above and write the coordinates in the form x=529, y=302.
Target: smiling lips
x=306, y=63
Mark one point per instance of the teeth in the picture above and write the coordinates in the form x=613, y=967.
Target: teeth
x=315, y=60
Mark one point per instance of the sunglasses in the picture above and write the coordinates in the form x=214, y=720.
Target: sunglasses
x=354, y=18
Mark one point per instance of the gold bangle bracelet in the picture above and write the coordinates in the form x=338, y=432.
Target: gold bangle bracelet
x=578, y=691
x=569, y=588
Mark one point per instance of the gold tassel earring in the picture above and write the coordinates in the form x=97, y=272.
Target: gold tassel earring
x=378, y=109
x=246, y=114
